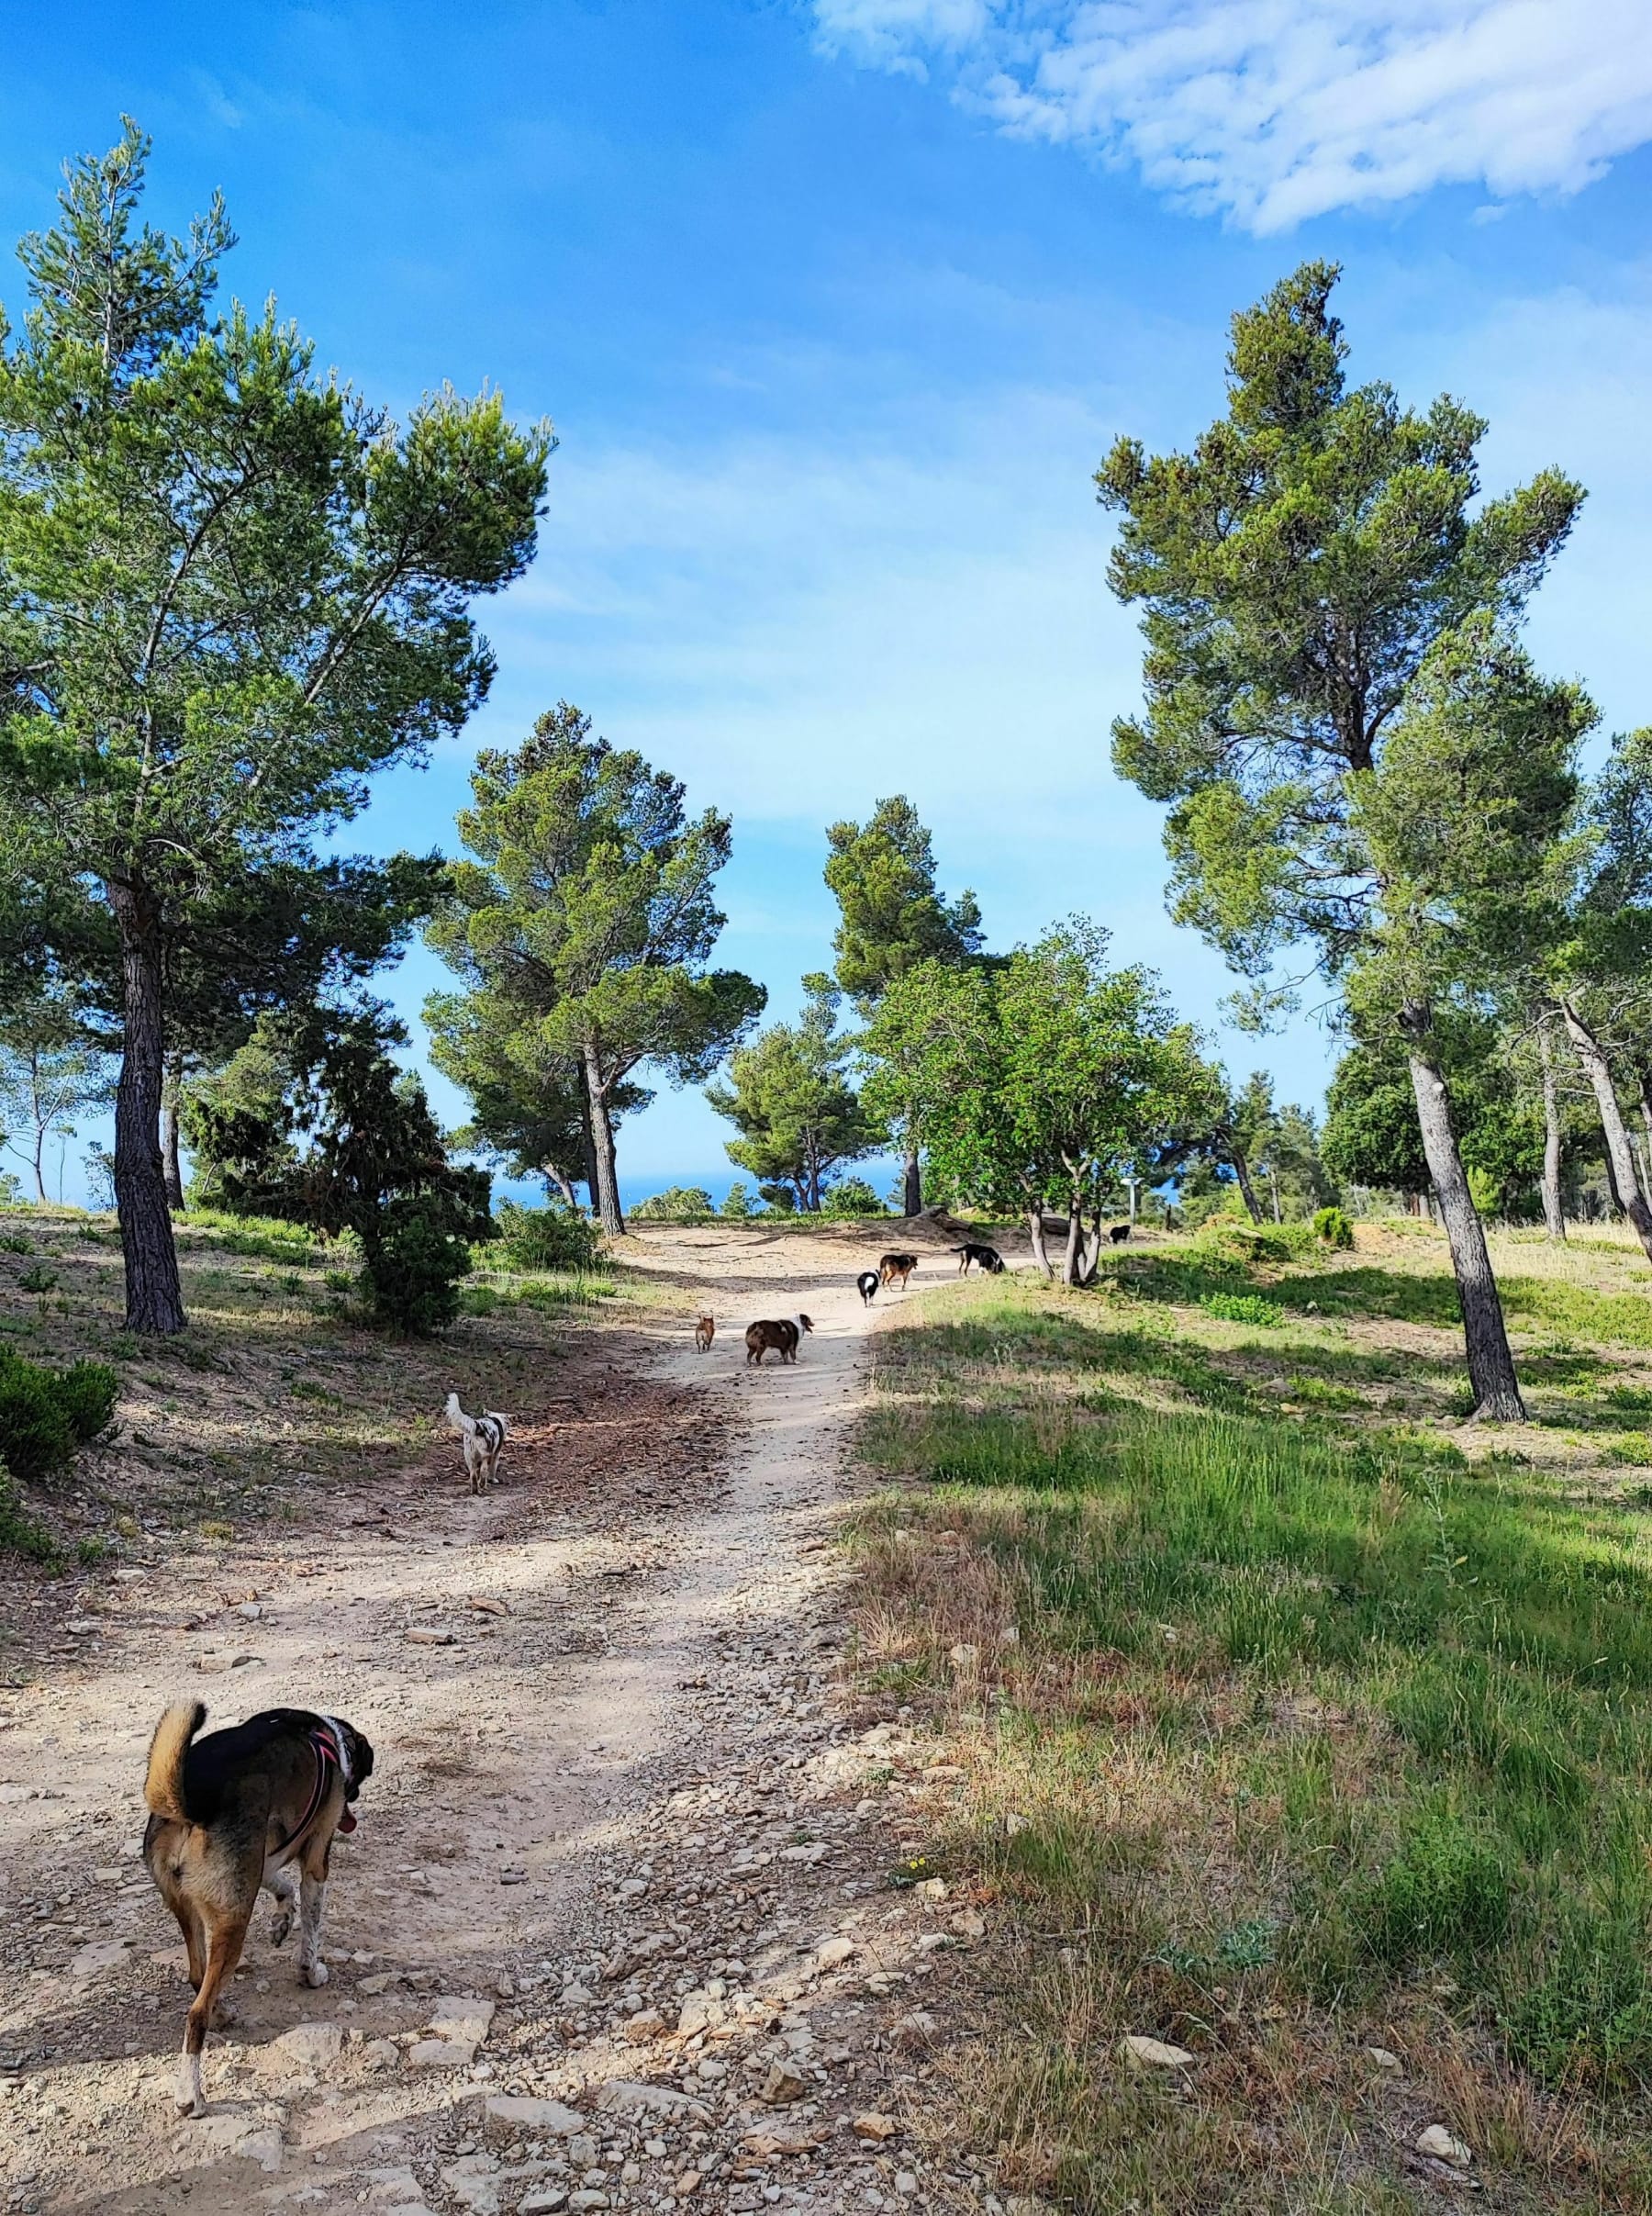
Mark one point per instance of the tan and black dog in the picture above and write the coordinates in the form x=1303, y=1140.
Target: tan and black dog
x=893, y=1266
x=257, y=1805
x=705, y=1331
x=783, y=1337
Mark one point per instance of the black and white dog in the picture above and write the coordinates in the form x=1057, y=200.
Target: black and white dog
x=866, y=1284
x=484, y=1438
x=976, y=1250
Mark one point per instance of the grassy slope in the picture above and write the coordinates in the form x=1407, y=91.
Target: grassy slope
x=1288, y=1730
x=273, y=1395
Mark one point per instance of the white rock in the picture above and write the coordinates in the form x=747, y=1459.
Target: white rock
x=1439, y=2142
x=440, y=2055
x=474, y=2185
x=832, y=1953
x=311, y=2046
x=575, y=1996
x=219, y=2137
x=515, y=2116
x=621, y=2095
x=701, y=2010
x=1143, y=2054
x=1385, y=2058
x=462, y=2018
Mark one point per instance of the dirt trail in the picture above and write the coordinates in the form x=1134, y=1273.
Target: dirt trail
x=614, y=1810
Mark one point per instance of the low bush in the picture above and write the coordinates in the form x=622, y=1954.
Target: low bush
x=411, y=1274
x=854, y=1197
x=88, y=1391
x=1256, y=1242
x=1243, y=1308
x=677, y=1204
x=38, y=1431
x=1332, y=1228
x=545, y=1239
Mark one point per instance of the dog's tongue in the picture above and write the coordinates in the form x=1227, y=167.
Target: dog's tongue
x=347, y=1822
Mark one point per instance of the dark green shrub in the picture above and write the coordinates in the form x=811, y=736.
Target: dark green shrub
x=546, y=1238
x=412, y=1270
x=1256, y=1242
x=88, y=1391
x=737, y=1205
x=36, y=1434
x=14, y=1242
x=854, y=1197
x=677, y=1204
x=1332, y=1226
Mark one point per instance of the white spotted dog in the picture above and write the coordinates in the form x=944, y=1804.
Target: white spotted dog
x=484, y=1438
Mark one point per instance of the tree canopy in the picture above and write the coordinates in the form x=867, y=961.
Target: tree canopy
x=588, y=912
x=1319, y=577
x=791, y=1097
x=230, y=588
x=1042, y=1080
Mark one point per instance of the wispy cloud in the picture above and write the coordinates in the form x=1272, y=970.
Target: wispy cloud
x=1272, y=111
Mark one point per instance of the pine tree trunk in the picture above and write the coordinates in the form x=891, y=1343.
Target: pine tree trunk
x=1035, y=1234
x=1133, y=1187
x=1620, y=1155
x=605, y=1191
x=1490, y=1365
x=171, y=1167
x=154, y=1296
x=1554, y=1206
x=561, y=1183
x=912, y=1198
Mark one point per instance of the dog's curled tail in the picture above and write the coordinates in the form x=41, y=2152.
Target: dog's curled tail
x=164, y=1782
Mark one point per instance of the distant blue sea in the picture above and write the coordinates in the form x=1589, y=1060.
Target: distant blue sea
x=880, y=1175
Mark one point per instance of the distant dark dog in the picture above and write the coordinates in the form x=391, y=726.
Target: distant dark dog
x=987, y=1257
x=1119, y=1234
x=257, y=1805
x=782, y=1336
x=893, y=1266
x=868, y=1283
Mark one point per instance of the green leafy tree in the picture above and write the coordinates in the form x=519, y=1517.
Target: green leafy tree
x=49, y=1073
x=791, y=1097
x=1042, y=1080
x=230, y=588
x=323, y=1128
x=1296, y=570
x=529, y=1108
x=1599, y=965
x=892, y=918
x=589, y=914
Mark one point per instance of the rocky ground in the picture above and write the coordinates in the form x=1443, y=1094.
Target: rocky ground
x=622, y=1925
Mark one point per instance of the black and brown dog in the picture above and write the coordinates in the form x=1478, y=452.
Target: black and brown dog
x=254, y=1805
x=984, y=1257
x=893, y=1266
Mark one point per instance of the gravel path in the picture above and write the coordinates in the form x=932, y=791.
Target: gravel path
x=615, y=1931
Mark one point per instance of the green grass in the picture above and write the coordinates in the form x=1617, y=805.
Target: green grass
x=1340, y=1730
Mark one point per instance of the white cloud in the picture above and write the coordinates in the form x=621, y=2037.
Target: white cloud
x=1272, y=111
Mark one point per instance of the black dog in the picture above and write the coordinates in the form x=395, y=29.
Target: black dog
x=868, y=1283
x=1119, y=1234
x=989, y=1257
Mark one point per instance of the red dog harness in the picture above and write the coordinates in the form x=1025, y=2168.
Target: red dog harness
x=328, y=1758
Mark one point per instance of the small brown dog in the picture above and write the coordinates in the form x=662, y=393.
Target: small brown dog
x=231, y=1813
x=705, y=1331
x=893, y=1266
x=782, y=1337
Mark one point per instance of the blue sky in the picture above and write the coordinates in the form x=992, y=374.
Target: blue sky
x=836, y=305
